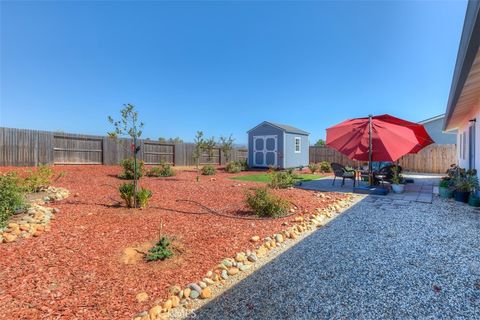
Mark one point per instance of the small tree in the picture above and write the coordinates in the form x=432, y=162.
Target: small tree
x=226, y=146
x=129, y=125
x=320, y=143
x=199, y=142
x=209, y=146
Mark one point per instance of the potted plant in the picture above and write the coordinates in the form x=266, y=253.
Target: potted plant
x=398, y=183
x=462, y=189
x=473, y=200
x=445, y=188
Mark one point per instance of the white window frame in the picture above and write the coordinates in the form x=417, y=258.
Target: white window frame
x=299, y=145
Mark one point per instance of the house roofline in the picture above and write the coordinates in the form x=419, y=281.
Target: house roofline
x=467, y=51
x=440, y=116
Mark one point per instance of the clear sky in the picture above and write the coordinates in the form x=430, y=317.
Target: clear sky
x=223, y=67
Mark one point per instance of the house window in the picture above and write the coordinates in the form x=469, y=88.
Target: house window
x=297, y=145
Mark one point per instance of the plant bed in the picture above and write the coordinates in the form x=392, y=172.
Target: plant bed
x=78, y=264
x=33, y=220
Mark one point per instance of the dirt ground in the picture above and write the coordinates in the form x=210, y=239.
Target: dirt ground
x=86, y=267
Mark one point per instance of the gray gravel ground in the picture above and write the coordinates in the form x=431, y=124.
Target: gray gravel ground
x=381, y=259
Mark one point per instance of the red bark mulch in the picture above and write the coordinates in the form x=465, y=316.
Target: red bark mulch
x=76, y=270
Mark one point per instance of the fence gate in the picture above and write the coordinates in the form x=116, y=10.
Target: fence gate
x=77, y=150
x=156, y=153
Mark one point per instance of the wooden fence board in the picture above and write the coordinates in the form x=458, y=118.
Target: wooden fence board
x=20, y=147
x=435, y=158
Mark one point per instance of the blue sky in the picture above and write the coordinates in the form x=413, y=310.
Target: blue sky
x=223, y=67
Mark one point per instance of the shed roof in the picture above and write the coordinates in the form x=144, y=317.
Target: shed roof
x=283, y=127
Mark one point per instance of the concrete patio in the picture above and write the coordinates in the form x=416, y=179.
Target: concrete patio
x=421, y=190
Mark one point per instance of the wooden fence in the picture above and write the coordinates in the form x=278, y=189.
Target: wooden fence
x=435, y=158
x=19, y=147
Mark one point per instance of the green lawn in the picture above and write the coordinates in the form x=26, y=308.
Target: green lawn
x=265, y=177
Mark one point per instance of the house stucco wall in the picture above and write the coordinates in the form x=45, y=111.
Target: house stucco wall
x=435, y=130
x=463, y=139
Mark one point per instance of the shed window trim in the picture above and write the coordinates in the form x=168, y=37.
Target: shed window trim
x=298, y=144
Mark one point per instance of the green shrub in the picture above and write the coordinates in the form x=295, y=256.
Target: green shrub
x=445, y=183
x=12, y=196
x=281, y=179
x=128, y=169
x=143, y=197
x=325, y=166
x=243, y=164
x=160, y=251
x=38, y=179
x=164, y=170
x=208, y=170
x=314, y=167
x=264, y=204
x=127, y=191
x=233, y=167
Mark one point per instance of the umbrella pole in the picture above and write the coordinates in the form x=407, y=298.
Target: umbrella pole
x=370, y=171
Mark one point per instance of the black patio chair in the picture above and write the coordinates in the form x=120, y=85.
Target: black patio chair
x=386, y=173
x=342, y=172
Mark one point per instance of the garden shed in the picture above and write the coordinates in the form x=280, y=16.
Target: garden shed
x=277, y=145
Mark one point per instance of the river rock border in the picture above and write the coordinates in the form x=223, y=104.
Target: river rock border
x=182, y=302
x=36, y=220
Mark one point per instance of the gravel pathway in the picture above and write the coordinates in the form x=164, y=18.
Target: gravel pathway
x=381, y=259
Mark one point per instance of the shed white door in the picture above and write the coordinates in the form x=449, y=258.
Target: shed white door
x=265, y=151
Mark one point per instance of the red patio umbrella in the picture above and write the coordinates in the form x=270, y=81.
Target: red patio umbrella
x=377, y=138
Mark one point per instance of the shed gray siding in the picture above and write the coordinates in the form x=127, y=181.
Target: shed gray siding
x=292, y=159
x=264, y=130
x=435, y=130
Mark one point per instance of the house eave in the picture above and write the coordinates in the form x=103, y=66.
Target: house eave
x=467, y=52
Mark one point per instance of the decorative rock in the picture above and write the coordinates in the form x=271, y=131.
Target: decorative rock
x=298, y=219
x=252, y=258
x=208, y=281
x=279, y=238
x=206, y=293
x=227, y=263
x=245, y=267
x=174, y=289
x=142, y=297
x=195, y=287
x=261, y=251
x=239, y=257
x=186, y=292
x=154, y=312
x=167, y=305
x=9, y=237
x=202, y=284
x=255, y=239
x=224, y=274
x=232, y=271
x=194, y=294
x=209, y=274
x=175, y=301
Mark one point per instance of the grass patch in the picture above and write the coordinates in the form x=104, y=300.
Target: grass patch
x=267, y=177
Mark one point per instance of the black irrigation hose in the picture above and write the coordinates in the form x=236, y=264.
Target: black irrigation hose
x=228, y=215
x=210, y=210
